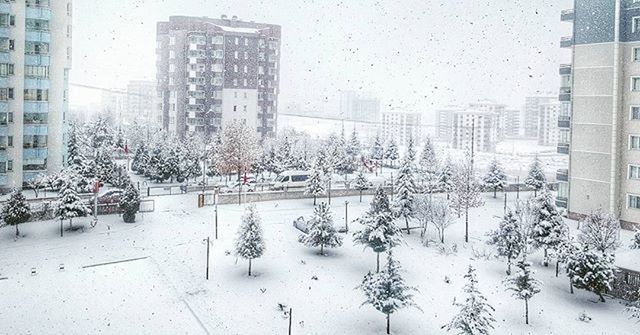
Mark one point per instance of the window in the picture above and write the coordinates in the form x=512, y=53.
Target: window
x=36, y=95
x=634, y=201
x=217, y=54
x=635, y=24
x=246, y=69
x=244, y=108
x=37, y=3
x=235, y=108
x=217, y=39
x=235, y=82
x=235, y=54
x=6, y=94
x=246, y=95
x=260, y=69
x=244, y=82
x=237, y=41
x=635, y=112
x=634, y=142
x=246, y=41
x=634, y=171
x=172, y=68
x=10, y=141
x=235, y=68
x=36, y=48
x=246, y=55
x=172, y=40
x=6, y=70
x=172, y=54
x=7, y=20
x=10, y=165
x=635, y=84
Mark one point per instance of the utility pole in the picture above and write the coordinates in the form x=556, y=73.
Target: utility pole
x=346, y=215
x=216, y=220
x=473, y=140
x=208, y=242
x=290, y=319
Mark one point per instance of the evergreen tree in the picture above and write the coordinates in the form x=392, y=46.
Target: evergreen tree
x=466, y=194
x=536, y=178
x=446, y=178
x=411, y=150
x=549, y=229
x=250, y=242
x=377, y=151
x=74, y=156
x=429, y=165
x=600, y=231
x=475, y=316
x=354, y=147
x=130, y=203
x=322, y=233
x=361, y=183
x=564, y=251
x=509, y=239
x=523, y=285
x=635, y=240
x=386, y=290
x=315, y=184
x=391, y=153
x=140, y=159
x=591, y=271
x=405, y=198
x=379, y=232
x=70, y=205
x=16, y=210
x=495, y=178
x=105, y=165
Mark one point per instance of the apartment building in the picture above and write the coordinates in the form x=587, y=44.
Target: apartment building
x=141, y=103
x=512, y=123
x=532, y=113
x=401, y=125
x=479, y=125
x=548, y=131
x=35, y=58
x=212, y=71
x=444, y=122
x=604, y=145
x=496, y=108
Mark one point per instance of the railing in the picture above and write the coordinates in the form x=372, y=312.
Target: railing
x=564, y=121
x=567, y=15
x=565, y=94
x=562, y=175
x=563, y=148
x=626, y=284
x=565, y=69
x=566, y=42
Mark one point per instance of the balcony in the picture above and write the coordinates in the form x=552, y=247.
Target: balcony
x=563, y=148
x=561, y=202
x=564, y=121
x=562, y=175
x=565, y=94
x=566, y=42
x=567, y=15
x=565, y=69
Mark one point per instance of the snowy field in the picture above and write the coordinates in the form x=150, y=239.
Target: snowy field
x=165, y=292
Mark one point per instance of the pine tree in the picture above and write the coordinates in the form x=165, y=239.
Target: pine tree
x=130, y=203
x=635, y=240
x=446, y=178
x=361, y=183
x=475, y=316
x=591, y=271
x=509, y=239
x=74, y=156
x=564, y=252
x=105, y=165
x=523, y=285
x=536, y=178
x=322, y=233
x=386, y=290
x=315, y=184
x=466, y=194
x=140, y=159
x=391, y=153
x=429, y=165
x=411, y=150
x=16, y=210
x=250, y=242
x=379, y=232
x=495, y=178
x=405, y=198
x=354, y=147
x=70, y=205
x=549, y=229
x=377, y=151
x=600, y=231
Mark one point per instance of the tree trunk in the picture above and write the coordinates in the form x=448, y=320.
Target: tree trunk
x=314, y=199
x=360, y=195
x=61, y=230
x=377, y=262
x=601, y=297
x=442, y=236
x=466, y=224
x=321, y=249
x=557, y=267
x=495, y=192
x=508, y=266
x=17, y=232
x=388, y=324
x=70, y=223
x=546, y=260
x=406, y=220
x=249, y=267
x=570, y=286
x=526, y=311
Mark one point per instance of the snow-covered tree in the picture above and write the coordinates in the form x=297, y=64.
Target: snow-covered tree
x=523, y=286
x=379, y=232
x=74, y=155
x=475, y=316
x=601, y=231
x=105, y=165
x=130, y=203
x=441, y=216
x=422, y=213
x=635, y=240
x=386, y=290
x=466, y=193
x=69, y=204
x=446, y=177
x=428, y=166
x=140, y=161
x=322, y=232
x=411, y=150
x=405, y=198
x=315, y=185
x=239, y=148
x=391, y=153
x=495, y=178
x=549, y=229
x=354, y=148
x=16, y=210
x=250, y=242
x=591, y=271
x=564, y=251
x=377, y=150
x=536, y=178
x=634, y=310
x=509, y=239
x=361, y=183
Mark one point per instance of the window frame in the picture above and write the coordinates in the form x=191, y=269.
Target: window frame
x=629, y=195
x=629, y=171
x=631, y=136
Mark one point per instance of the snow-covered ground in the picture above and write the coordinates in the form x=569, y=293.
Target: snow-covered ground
x=166, y=292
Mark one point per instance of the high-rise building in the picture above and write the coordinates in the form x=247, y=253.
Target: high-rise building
x=479, y=125
x=359, y=106
x=548, y=131
x=604, y=161
x=444, y=122
x=401, y=125
x=35, y=58
x=142, y=103
x=493, y=107
x=512, y=123
x=213, y=71
x=532, y=113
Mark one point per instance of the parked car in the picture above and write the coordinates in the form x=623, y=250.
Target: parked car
x=235, y=188
x=109, y=197
x=291, y=179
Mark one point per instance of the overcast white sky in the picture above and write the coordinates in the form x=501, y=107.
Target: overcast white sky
x=419, y=53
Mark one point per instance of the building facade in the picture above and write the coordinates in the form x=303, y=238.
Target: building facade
x=548, y=131
x=142, y=103
x=213, y=71
x=532, y=113
x=604, y=144
x=512, y=123
x=35, y=58
x=401, y=126
x=496, y=108
x=444, y=122
x=481, y=126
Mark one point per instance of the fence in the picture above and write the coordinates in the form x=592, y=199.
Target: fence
x=626, y=284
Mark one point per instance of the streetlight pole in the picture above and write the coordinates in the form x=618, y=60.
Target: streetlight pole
x=346, y=216
x=208, y=242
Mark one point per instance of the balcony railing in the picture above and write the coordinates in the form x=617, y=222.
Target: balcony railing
x=566, y=42
x=565, y=94
x=562, y=202
x=563, y=148
x=562, y=175
x=567, y=15
x=564, y=121
x=565, y=69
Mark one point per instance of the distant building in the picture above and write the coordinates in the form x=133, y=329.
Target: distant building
x=477, y=124
x=444, y=122
x=142, y=103
x=548, y=132
x=532, y=113
x=213, y=71
x=114, y=103
x=512, y=123
x=493, y=107
x=401, y=125
x=359, y=106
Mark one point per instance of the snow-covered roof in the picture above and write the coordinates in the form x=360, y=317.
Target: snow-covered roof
x=628, y=259
x=239, y=29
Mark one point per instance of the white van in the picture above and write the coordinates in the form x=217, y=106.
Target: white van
x=291, y=179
